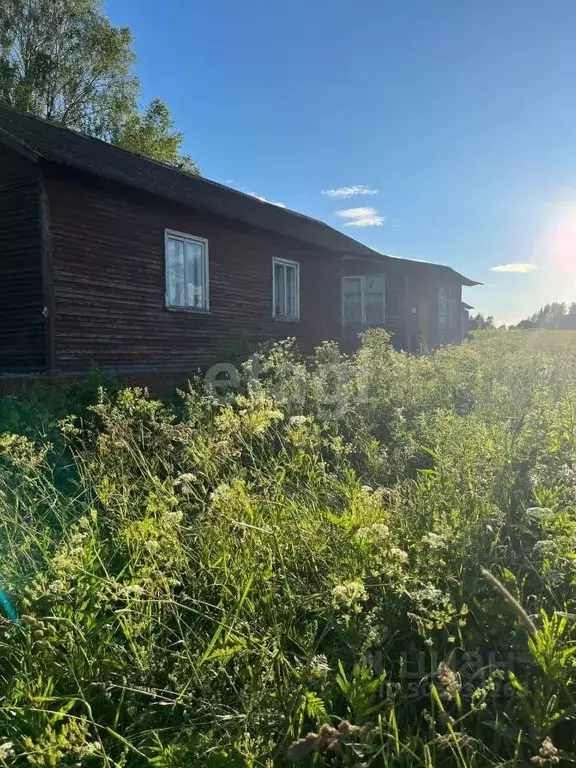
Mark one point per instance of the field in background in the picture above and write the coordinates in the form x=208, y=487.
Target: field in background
x=343, y=562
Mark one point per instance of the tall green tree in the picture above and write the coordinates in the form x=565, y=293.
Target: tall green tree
x=553, y=316
x=152, y=133
x=480, y=323
x=63, y=60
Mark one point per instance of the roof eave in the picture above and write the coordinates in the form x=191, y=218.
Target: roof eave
x=16, y=145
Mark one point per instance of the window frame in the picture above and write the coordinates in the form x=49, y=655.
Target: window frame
x=173, y=234
x=363, y=279
x=294, y=265
x=450, y=307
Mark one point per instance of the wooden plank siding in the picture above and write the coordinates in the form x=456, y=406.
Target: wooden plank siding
x=82, y=281
x=411, y=289
x=109, y=282
x=22, y=323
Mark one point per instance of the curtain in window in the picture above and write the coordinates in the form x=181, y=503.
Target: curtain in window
x=452, y=314
x=290, y=275
x=176, y=274
x=352, y=300
x=442, y=308
x=195, y=274
x=373, y=299
x=279, y=290
x=448, y=302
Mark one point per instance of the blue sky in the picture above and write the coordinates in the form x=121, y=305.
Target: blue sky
x=460, y=113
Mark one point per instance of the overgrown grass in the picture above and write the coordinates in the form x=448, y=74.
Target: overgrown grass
x=355, y=561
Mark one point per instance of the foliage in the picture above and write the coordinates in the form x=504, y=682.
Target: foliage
x=152, y=134
x=555, y=316
x=63, y=60
x=480, y=323
x=362, y=560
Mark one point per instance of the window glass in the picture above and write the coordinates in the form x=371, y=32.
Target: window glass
x=186, y=272
x=448, y=302
x=195, y=274
x=279, y=290
x=290, y=273
x=441, y=308
x=286, y=287
x=363, y=300
x=374, y=299
x=352, y=299
x=176, y=280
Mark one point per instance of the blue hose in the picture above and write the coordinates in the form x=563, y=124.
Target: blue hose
x=7, y=606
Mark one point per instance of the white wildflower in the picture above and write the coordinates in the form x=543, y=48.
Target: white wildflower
x=91, y=749
x=349, y=595
x=185, y=479
x=433, y=540
x=380, y=531
x=221, y=493
x=545, y=547
x=7, y=750
x=540, y=514
x=377, y=533
x=399, y=554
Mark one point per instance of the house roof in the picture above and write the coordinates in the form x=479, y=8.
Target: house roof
x=42, y=140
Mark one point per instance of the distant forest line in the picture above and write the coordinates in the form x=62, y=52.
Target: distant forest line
x=555, y=316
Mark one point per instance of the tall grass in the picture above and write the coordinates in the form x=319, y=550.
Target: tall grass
x=354, y=561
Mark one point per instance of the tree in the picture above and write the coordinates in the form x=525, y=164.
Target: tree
x=476, y=322
x=153, y=134
x=480, y=323
x=555, y=316
x=63, y=60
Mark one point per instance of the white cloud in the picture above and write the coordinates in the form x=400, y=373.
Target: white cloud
x=265, y=200
x=519, y=268
x=361, y=217
x=342, y=192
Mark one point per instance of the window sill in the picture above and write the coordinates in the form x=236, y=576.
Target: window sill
x=189, y=310
x=286, y=319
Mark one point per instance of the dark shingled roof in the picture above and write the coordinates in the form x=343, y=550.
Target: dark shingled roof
x=43, y=140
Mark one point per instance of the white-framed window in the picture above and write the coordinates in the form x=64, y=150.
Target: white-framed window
x=285, y=289
x=448, y=302
x=186, y=271
x=363, y=300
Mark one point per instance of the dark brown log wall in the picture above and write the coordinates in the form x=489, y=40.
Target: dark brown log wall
x=109, y=283
x=395, y=302
x=428, y=292
x=411, y=289
x=22, y=337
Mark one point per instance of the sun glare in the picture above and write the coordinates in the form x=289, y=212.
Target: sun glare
x=557, y=249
